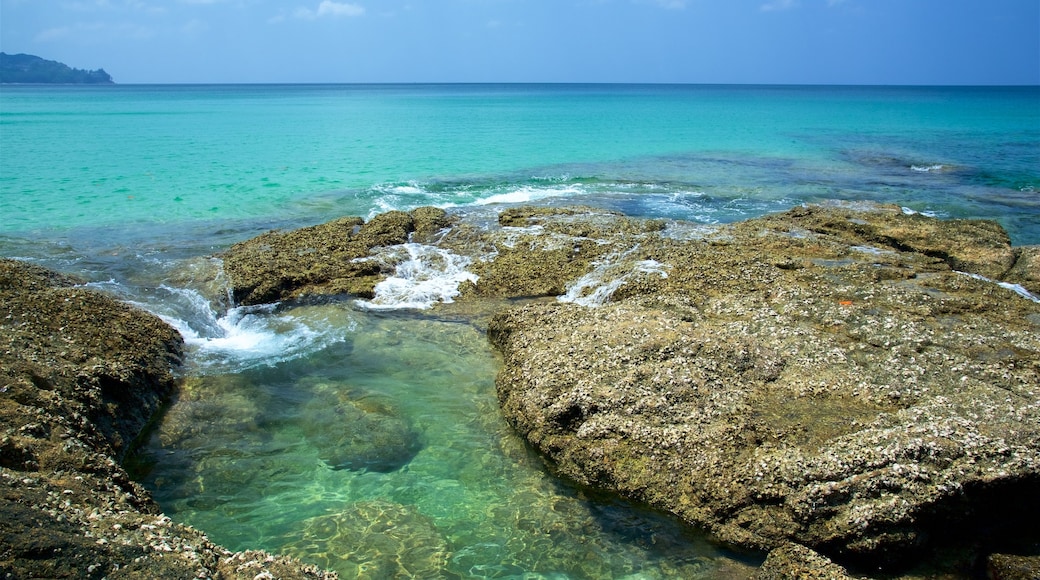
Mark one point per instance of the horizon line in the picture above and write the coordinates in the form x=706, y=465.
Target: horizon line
x=561, y=83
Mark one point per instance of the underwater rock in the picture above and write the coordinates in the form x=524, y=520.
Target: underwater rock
x=355, y=430
x=374, y=539
x=830, y=376
x=81, y=374
x=324, y=259
x=207, y=404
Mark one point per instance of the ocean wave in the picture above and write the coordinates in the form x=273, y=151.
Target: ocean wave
x=527, y=194
x=908, y=211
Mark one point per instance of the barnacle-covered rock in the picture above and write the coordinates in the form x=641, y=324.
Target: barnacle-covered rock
x=852, y=379
x=81, y=375
x=323, y=259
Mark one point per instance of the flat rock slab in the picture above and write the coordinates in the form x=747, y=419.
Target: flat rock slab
x=850, y=379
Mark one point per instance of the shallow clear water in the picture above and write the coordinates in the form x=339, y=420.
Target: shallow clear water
x=269, y=444
x=263, y=458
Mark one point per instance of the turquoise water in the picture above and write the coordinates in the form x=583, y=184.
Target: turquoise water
x=269, y=445
x=84, y=157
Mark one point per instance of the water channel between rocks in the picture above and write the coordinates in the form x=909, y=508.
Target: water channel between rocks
x=384, y=453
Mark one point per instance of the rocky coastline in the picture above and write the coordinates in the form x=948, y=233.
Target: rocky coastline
x=852, y=381
x=82, y=376
x=853, y=389
x=843, y=386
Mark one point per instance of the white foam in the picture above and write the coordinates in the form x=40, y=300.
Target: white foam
x=597, y=287
x=527, y=194
x=908, y=211
x=423, y=276
x=240, y=337
x=926, y=168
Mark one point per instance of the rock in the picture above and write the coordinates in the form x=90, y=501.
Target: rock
x=974, y=246
x=1026, y=271
x=207, y=404
x=104, y=365
x=81, y=375
x=325, y=259
x=1010, y=567
x=359, y=431
x=795, y=562
x=541, y=249
x=374, y=539
x=429, y=223
x=826, y=377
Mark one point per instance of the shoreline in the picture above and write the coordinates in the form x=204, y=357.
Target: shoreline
x=83, y=376
x=652, y=320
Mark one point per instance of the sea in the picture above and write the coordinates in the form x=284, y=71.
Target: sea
x=138, y=188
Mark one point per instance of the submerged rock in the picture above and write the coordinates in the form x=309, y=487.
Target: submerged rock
x=374, y=539
x=848, y=379
x=81, y=375
x=359, y=431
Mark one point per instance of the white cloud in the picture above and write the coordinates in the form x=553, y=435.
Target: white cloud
x=778, y=5
x=330, y=9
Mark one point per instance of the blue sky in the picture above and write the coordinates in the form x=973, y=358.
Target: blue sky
x=681, y=41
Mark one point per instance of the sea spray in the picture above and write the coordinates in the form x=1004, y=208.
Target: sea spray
x=242, y=337
x=423, y=276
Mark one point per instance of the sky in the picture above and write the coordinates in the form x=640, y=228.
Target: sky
x=915, y=42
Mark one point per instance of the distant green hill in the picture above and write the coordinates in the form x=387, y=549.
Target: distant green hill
x=26, y=68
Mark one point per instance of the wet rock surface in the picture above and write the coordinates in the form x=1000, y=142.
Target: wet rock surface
x=323, y=259
x=82, y=375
